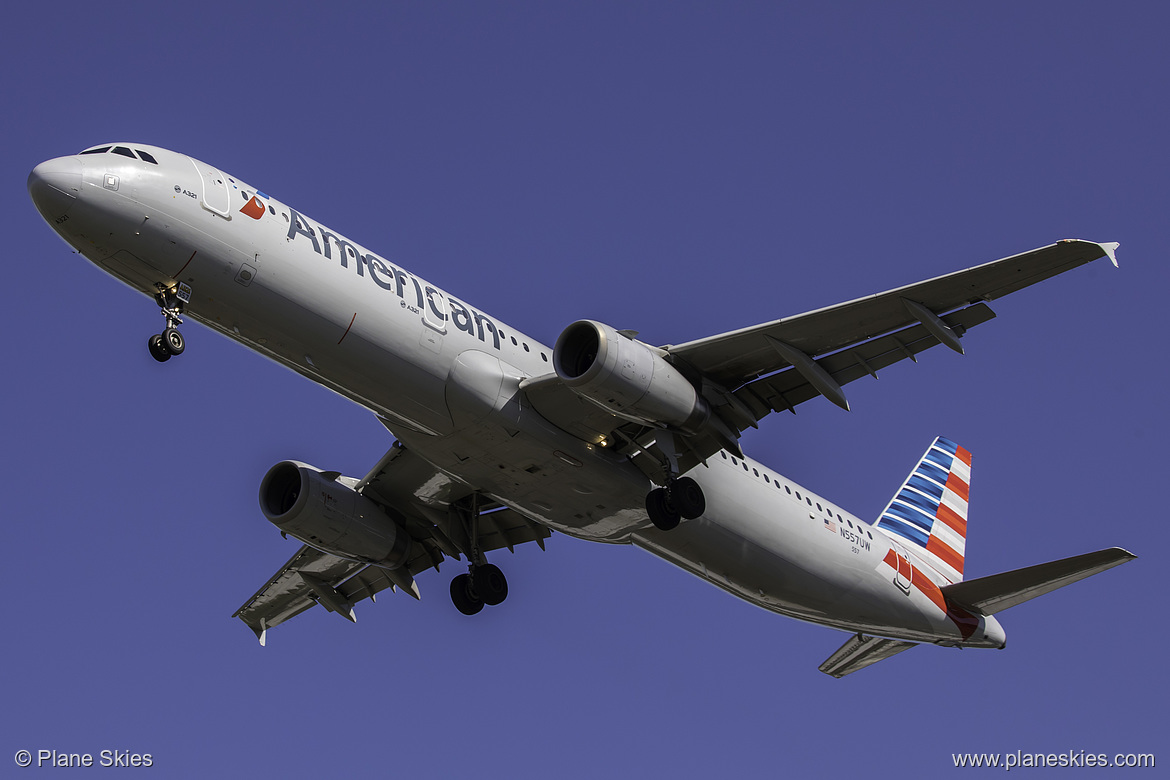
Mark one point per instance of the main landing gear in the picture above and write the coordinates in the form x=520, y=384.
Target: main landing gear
x=169, y=343
x=681, y=498
x=484, y=583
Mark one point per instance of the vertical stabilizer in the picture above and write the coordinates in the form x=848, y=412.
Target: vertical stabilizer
x=929, y=511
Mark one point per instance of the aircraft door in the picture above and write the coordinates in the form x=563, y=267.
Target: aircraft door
x=435, y=310
x=435, y=314
x=904, y=573
x=215, y=195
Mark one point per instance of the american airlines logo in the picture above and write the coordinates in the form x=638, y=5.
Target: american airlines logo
x=415, y=294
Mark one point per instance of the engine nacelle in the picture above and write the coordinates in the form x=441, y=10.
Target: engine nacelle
x=324, y=512
x=627, y=377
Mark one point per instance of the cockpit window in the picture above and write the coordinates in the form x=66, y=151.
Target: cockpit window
x=122, y=150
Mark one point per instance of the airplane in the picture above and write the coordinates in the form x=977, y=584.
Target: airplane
x=500, y=440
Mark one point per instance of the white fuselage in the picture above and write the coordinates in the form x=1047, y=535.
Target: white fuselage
x=444, y=377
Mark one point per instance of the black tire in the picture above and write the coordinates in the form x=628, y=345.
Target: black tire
x=685, y=495
x=489, y=584
x=157, y=350
x=461, y=595
x=662, y=514
x=172, y=339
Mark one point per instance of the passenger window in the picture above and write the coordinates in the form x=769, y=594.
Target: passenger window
x=756, y=472
x=544, y=357
x=767, y=480
x=98, y=150
x=147, y=157
x=819, y=508
x=122, y=150
x=272, y=211
x=526, y=349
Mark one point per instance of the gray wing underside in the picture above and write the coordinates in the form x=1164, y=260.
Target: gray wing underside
x=430, y=503
x=748, y=374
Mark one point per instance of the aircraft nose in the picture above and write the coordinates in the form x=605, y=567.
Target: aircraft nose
x=54, y=186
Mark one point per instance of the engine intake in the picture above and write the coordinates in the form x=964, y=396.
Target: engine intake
x=627, y=378
x=325, y=512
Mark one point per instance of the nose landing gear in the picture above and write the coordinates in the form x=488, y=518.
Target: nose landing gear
x=169, y=343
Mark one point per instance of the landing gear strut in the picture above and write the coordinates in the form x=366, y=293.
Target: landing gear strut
x=681, y=498
x=484, y=583
x=169, y=343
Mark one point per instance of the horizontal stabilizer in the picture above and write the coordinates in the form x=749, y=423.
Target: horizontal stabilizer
x=1001, y=591
x=860, y=651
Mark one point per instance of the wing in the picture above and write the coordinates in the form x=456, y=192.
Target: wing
x=436, y=512
x=747, y=374
x=736, y=358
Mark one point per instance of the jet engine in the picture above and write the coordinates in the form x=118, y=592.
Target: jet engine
x=325, y=512
x=626, y=377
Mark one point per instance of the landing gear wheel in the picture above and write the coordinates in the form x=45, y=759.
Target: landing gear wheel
x=171, y=300
x=685, y=495
x=489, y=584
x=662, y=513
x=172, y=339
x=462, y=597
x=158, y=350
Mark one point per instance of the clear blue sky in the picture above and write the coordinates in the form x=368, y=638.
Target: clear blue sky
x=677, y=168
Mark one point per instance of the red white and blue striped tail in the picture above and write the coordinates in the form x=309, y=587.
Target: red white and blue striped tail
x=929, y=511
